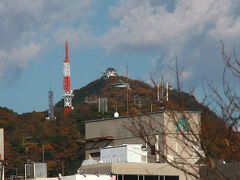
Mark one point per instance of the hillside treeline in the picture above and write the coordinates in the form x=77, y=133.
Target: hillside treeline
x=29, y=134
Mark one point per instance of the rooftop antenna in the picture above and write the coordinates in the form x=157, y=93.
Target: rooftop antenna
x=50, y=104
x=162, y=97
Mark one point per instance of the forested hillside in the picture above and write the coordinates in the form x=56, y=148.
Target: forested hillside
x=27, y=134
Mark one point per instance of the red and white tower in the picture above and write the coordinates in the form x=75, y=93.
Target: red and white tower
x=67, y=83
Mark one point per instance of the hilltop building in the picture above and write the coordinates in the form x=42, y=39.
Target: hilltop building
x=91, y=100
x=110, y=72
x=120, y=84
x=112, y=149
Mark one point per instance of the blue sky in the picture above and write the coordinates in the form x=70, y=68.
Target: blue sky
x=147, y=35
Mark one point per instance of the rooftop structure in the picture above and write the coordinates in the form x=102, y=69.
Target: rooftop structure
x=123, y=153
x=35, y=170
x=120, y=84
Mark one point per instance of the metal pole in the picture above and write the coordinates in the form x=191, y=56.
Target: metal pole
x=166, y=91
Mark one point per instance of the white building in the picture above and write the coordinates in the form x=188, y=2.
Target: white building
x=110, y=72
x=123, y=153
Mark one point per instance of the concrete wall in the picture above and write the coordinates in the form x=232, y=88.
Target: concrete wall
x=176, y=144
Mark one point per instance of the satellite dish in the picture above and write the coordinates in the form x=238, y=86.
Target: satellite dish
x=116, y=114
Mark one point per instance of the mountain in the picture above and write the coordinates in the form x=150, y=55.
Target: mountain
x=27, y=134
x=141, y=97
x=103, y=88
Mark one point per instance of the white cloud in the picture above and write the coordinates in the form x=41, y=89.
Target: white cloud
x=226, y=28
x=145, y=26
x=26, y=26
x=80, y=38
x=185, y=28
x=190, y=30
x=19, y=57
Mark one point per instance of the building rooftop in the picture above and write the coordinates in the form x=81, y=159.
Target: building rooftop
x=136, y=115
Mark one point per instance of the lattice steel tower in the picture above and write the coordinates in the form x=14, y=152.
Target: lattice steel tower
x=50, y=105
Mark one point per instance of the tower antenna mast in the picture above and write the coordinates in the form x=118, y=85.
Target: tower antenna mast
x=50, y=104
x=67, y=83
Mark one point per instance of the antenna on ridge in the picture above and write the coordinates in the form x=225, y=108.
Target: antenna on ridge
x=68, y=95
x=50, y=104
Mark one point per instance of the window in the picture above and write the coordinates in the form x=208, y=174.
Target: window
x=96, y=154
x=153, y=152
